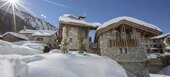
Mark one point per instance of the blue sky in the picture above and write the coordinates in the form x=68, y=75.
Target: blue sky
x=156, y=12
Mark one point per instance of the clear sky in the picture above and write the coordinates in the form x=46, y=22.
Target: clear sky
x=156, y=12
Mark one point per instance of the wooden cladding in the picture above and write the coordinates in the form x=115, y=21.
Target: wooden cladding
x=124, y=43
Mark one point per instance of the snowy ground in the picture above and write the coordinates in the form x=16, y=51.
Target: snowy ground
x=10, y=48
x=158, y=75
x=31, y=44
x=59, y=65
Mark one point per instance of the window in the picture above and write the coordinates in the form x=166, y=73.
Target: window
x=154, y=41
x=150, y=45
x=120, y=50
x=155, y=46
x=110, y=42
x=146, y=45
x=125, y=50
x=71, y=39
x=160, y=46
x=39, y=39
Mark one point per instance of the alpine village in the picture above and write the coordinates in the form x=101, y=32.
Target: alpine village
x=123, y=47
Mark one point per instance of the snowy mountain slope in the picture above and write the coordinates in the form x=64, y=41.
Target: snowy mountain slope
x=36, y=22
x=61, y=65
x=22, y=19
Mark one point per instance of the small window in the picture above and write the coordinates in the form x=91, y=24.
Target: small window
x=154, y=41
x=155, y=46
x=150, y=45
x=120, y=50
x=110, y=42
x=39, y=39
x=146, y=45
x=125, y=50
x=71, y=39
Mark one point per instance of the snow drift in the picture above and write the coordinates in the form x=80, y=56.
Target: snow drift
x=10, y=48
x=62, y=65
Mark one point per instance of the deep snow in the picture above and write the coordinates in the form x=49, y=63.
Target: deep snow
x=60, y=65
x=10, y=48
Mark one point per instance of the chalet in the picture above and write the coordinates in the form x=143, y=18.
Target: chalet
x=13, y=37
x=165, y=40
x=76, y=31
x=45, y=36
x=124, y=39
x=28, y=33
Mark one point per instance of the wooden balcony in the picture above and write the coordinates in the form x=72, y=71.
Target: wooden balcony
x=124, y=43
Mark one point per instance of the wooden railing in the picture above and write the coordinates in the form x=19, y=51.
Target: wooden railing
x=124, y=43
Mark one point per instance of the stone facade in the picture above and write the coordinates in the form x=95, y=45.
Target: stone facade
x=49, y=40
x=124, y=39
x=74, y=34
x=155, y=46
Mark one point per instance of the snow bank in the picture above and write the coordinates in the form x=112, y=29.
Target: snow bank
x=13, y=68
x=55, y=51
x=165, y=71
x=131, y=19
x=75, y=65
x=31, y=44
x=59, y=65
x=71, y=18
x=158, y=75
x=10, y=48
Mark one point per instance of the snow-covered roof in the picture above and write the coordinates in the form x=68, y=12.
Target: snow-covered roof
x=131, y=19
x=168, y=47
x=160, y=36
x=17, y=35
x=27, y=31
x=153, y=55
x=71, y=18
x=44, y=33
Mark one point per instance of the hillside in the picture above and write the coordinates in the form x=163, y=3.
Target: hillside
x=28, y=20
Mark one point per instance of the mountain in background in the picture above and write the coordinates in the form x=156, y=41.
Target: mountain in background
x=23, y=19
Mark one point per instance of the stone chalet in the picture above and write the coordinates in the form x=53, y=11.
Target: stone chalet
x=124, y=39
x=28, y=33
x=76, y=31
x=43, y=36
x=13, y=37
x=164, y=45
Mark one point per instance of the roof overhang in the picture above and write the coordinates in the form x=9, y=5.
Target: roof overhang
x=64, y=23
x=129, y=23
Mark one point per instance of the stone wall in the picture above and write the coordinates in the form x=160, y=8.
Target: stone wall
x=154, y=65
x=137, y=68
x=73, y=38
x=133, y=60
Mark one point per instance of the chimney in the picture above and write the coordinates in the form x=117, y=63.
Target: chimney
x=82, y=18
x=25, y=27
